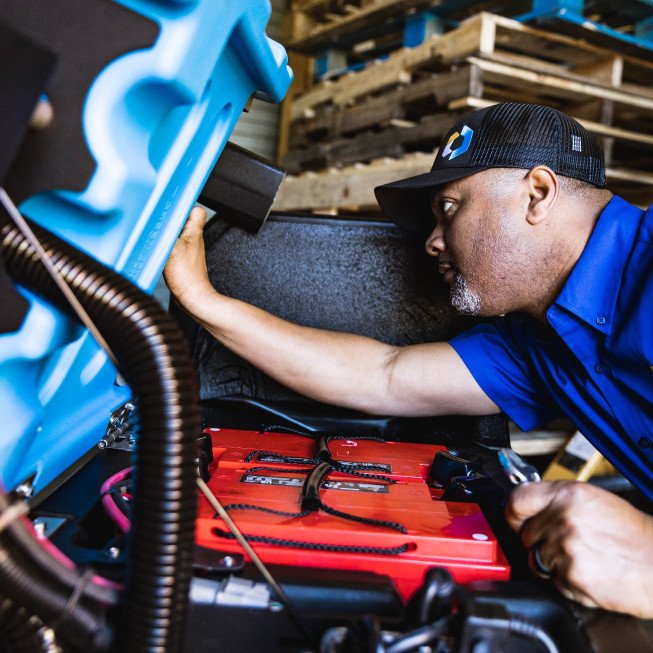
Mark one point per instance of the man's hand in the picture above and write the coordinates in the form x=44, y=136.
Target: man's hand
x=599, y=547
x=185, y=273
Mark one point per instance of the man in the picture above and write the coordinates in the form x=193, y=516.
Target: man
x=523, y=229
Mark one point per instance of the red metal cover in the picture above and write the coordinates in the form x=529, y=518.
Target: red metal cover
x=437, y=533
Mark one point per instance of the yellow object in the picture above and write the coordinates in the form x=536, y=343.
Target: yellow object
x=578, y=460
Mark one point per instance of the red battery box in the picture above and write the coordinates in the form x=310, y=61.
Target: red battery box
x=376, y=511
x=251, y=448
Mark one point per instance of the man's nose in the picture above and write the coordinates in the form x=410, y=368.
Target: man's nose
x=435, y=244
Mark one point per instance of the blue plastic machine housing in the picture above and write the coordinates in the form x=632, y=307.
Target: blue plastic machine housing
x=154, y=121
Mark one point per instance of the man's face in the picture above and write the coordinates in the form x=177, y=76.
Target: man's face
x=480, y=240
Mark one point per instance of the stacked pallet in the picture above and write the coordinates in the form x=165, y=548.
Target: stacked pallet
x=360, y=30
x=385, y=121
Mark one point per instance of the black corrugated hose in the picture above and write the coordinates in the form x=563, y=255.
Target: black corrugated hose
x=155, y=363
x=24, y=633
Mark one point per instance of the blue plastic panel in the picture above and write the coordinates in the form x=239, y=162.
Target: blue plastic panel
x=571, y=11
x=155, y=122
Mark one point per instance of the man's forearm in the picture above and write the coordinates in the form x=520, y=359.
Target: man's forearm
x=338, y=368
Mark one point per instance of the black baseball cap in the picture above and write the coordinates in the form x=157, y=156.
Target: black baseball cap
x=505, y=135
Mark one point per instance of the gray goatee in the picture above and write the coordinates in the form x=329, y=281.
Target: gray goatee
x=463, y=299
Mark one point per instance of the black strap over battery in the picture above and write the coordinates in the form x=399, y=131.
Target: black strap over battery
x=323, y=454
x=310, y=499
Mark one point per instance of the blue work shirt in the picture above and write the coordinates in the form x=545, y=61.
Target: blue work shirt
x=593, y=361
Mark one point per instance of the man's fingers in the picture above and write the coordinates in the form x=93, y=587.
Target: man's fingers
x=529, y=499
x=573, y=593
x=536, y=529
x=551, y=553
x=185, y=251
x=195, y=222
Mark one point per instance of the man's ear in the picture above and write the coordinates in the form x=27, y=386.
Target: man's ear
x=543, y=186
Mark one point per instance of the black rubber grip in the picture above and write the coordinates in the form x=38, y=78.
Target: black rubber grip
x=322, y=449
x=311, y=488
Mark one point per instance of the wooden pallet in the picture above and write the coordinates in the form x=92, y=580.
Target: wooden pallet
x=490, y=78
x=352, y=188
x=394, y=141
x=350, y=25
x=598, y=87
x=315, y=26
x=419, y=115
x=408, y=102
x=482, y=36
x=588, y=31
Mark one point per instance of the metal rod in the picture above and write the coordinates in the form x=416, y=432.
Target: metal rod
x=25, y=229
x=224, y=515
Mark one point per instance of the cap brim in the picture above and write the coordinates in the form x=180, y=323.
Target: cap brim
x=407, y=202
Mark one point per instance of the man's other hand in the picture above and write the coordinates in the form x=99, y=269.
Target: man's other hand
x=599, y=547
x=185, y=273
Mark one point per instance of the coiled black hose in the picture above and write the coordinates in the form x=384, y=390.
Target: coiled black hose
x=43, y=586
x=155, y=362
x=24, y=633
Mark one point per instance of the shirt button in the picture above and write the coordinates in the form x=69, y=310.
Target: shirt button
x=600, y=369
x=600, y=319
x=645, y=443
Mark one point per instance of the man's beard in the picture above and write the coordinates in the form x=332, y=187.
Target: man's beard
x=463, y=299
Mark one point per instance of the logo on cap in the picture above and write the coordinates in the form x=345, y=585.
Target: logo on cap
x=467, y=134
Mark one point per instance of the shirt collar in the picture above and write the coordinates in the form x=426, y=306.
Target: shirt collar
x=593, y=285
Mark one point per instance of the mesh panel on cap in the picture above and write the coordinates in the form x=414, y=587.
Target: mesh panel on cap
x=507, y=134
x=525, y=135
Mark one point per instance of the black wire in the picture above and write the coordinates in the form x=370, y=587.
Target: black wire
x=419, y=637
x=290, y=470
x=363, y=520
x=331, y=548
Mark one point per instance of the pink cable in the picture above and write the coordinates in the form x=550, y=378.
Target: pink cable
x=61, y=558
x=108, y=502
x=67, y=562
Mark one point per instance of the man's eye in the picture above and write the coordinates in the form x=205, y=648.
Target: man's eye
x=446, y=205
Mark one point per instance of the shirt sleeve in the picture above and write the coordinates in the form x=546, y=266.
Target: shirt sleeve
x=496, y=361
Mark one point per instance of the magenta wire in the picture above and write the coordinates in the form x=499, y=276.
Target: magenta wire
x=108, y=502
x=59, y=555
x=64, y=560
